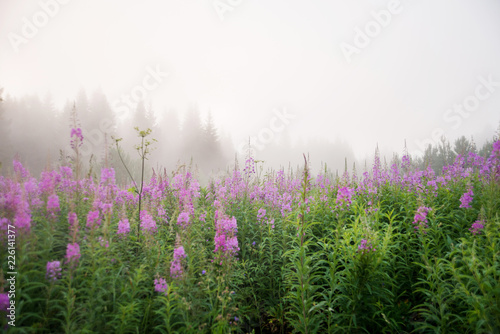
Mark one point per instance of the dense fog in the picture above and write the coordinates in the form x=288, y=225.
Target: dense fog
x=219, y=81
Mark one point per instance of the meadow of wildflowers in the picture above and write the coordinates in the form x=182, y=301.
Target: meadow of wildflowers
x=395, y=250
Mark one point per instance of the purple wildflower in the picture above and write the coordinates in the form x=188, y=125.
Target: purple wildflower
x=123, y=226
x=93, y=219
x=176, y=266
x=53, y=270
x=496, y=147
x=103, y=242
x=466, y=199
x=147, y=223
x=53, y=203
x=161, y=285
x=4, y=302
x=232, y=245
x=420, y=219
x=366, y=247
x=344, y=196
x=20, y=171
x=261, y=214
x=22, y=220
x=477, y=227
x=4, y=222
x=183, y=219
x=72, y=220
x=77, y=141
x=108, y=174
x=225, y=237
x=73, y=253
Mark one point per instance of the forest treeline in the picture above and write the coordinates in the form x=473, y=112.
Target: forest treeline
x=37, y=133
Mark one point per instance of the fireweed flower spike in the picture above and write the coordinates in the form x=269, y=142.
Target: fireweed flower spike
x=183, y=219
x=176, y=265
x=123, y=227
x=477, y=227
x=53, y=270
x=72, y=220
x=161, y=285
x=261, y=214
x=4, y=302
x=344, y=196
x=365, y=247
x=78, y=138
x=93, y=219
x=103, y=242
x=226, y=242
x=53, y=204
x=466, y=199
x=73, y=253
x=148, y=225
x=420, y=220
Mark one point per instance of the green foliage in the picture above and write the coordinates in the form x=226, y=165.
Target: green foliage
x=317, y=268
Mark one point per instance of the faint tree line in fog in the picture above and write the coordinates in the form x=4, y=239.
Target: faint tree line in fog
x=445, y=152
x=34, y=131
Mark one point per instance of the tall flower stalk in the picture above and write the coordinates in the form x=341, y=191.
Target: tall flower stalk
x=144, y=150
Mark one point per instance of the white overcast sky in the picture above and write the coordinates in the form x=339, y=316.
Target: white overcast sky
x=269, y=54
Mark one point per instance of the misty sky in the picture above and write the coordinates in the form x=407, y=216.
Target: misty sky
x=244, y=59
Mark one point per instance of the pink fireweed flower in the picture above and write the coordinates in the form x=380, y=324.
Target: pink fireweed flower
x=176, y=265
x=53, y=270
x=4, y=224
x=49, y=182
x=420, y=219
x=186, y=189
x=73, y=253
x=261, y=214
x=148, y=225
x=93, y=219
x=78, y=140
x=107, y=174
x=161, y=285
x=249, y=166
x=183, y=219
x=19, y=170
x=4, y=302
x=179, y=253
x=344, y=196
x=123, y=227
x=405, y=162
x=365, y=247
x=477, y=227
x=232, y=244
x=22, y=220
x=162, y=214
x=53, y=204
x=226, y=242
x=466, y=199
x=103, y=242
x=496, y=147
x=73, y=221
